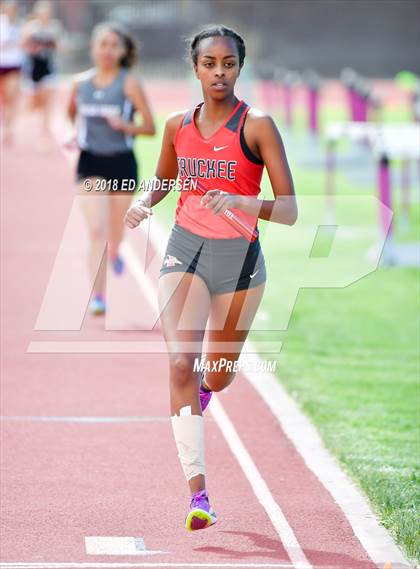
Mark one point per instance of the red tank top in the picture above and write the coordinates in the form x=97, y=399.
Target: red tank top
x=221, y=162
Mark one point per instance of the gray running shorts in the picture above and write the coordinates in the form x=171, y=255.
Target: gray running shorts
x=225, y=265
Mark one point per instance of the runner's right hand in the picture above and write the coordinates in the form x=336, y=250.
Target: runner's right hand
x=71, y=143
x=136, y=213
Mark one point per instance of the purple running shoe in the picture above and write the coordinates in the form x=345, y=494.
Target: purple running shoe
x=118, y=265
x=97, y=305
x=205, y=394
x=201, y=514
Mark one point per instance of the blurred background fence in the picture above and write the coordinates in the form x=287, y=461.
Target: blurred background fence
x=376, y=37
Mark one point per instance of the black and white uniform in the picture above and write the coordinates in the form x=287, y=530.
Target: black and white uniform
x=39, y=64
x=11, y=54
x=105, y=152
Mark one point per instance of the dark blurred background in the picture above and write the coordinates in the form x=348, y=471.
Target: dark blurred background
x=376, y=37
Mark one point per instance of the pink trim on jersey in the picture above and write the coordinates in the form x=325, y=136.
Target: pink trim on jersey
x=219, y=163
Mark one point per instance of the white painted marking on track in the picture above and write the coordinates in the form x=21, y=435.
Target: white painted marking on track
x=140, y=276
x=156, y=234
x=374, y=538
x=69, y=419
x=259, y=486
x=110, y=545
x=105, y=565
x=133, y=347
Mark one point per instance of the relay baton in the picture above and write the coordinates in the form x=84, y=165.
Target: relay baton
x=244, y=228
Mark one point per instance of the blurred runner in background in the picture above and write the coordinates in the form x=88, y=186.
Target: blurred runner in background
x=104, y=100
x=10, y=65
x=42, y=36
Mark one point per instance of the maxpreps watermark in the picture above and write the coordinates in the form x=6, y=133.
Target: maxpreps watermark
x=129, y=185
x=223, y=364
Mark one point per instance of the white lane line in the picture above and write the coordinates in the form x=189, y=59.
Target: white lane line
x=111, y=545
x=134, y=347
x=140, y=275
x=257, y=482
x=259, y=486
x=153, y=231
x=248, y=466
x=69, y=419
x=105, y=565
x=374, y=538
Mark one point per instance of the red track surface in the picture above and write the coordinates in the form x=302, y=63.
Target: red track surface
x=64, y=481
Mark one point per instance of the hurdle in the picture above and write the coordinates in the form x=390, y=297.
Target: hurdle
x=287, y=80
x=313, y=85
x=387, y=142
x=362, y=103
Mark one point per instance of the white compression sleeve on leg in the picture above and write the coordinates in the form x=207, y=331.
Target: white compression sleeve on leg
x=189, y=438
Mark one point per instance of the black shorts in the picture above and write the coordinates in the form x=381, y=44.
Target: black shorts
x=225, y=265
x=120, y=170
x=41, y=68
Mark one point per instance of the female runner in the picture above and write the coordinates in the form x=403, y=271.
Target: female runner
x=10, y=65
x=42, y=35
x=104, y=100
x=210, y=271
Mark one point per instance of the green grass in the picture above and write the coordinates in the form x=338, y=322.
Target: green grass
x=350, y=355
x=350, y=359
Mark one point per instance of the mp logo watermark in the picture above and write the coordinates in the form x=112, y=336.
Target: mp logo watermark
x=313, y=253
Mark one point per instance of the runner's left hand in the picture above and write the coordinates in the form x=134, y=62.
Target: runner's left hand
x=117, y=123
x=218, y=201
x=71, y=143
